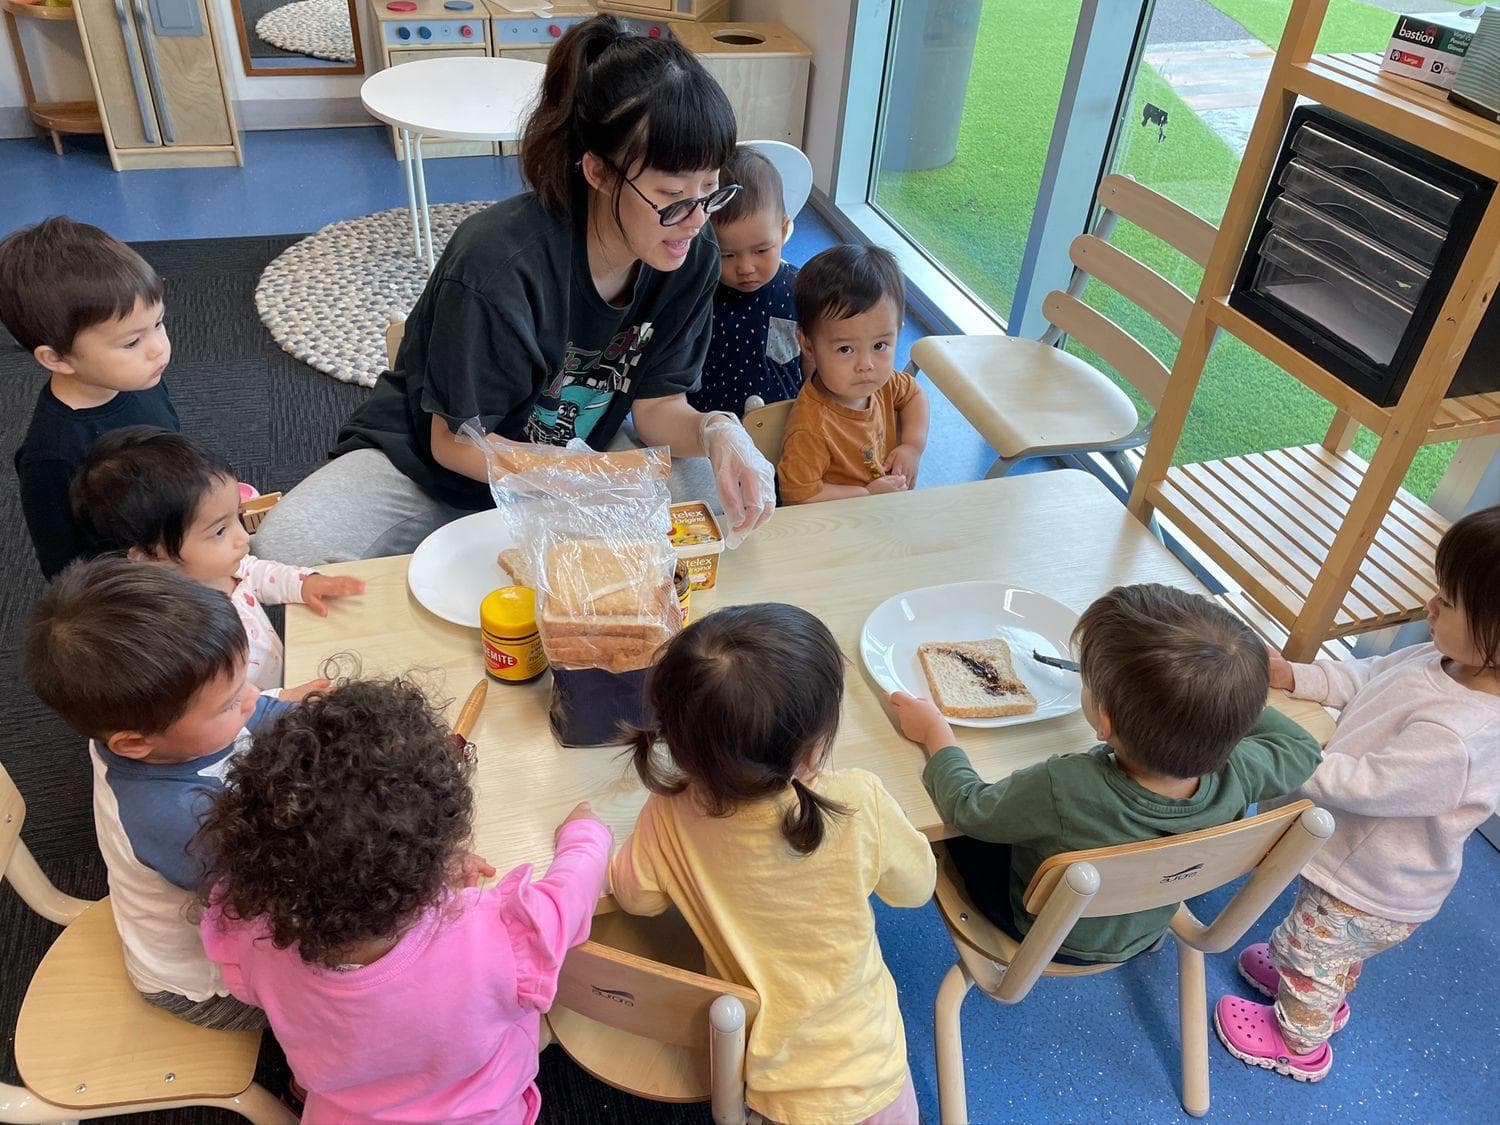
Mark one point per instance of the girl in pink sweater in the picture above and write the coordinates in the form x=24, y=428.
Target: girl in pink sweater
x=345, y=903
x=1412, y=768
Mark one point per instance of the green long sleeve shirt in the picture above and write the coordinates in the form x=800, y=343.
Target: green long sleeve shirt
x=1074, y=802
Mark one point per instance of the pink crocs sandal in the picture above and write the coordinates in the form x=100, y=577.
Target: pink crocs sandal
x=1255, y=966
x=1249, y=1033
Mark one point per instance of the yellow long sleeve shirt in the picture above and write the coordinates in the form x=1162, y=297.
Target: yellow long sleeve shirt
x=828, y=1046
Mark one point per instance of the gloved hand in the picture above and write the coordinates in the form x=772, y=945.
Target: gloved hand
x=745, y=480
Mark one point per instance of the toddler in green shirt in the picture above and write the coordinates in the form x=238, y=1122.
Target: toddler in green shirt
x=1175, y=688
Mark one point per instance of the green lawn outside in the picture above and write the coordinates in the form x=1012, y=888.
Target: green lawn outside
x=974, y=214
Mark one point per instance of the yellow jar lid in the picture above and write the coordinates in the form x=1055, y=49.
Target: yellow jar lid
x=509, y=611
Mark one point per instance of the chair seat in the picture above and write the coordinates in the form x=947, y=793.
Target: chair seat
x=1022, y=395
x=85, y=1038
x=647, y=1068
x=973, y=933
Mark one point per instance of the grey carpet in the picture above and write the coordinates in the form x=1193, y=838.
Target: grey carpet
x=273, y=418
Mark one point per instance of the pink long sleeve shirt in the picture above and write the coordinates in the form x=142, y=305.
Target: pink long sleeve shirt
x=445, y=1026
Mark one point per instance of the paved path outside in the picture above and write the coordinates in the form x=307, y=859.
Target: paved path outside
x=1221, y=82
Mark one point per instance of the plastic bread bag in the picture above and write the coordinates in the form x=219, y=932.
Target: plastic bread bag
x=589, y=532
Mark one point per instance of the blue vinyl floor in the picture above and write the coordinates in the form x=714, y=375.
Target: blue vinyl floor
x=1422, y=1043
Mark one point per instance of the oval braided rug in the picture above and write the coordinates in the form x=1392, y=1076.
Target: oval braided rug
x=319, y=28
x=329, y=298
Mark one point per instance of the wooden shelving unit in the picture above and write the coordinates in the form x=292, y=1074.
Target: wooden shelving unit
x=55, y=118
x=1327, y=544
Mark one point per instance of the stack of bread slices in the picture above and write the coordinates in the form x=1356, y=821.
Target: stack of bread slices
x=607, y=603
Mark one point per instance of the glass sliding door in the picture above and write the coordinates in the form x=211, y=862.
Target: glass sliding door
x=970, y=96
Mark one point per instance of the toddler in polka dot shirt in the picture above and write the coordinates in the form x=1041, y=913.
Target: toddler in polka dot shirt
x=753, y=350
x=164, y=498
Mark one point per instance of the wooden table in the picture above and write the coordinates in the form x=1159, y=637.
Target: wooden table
x=1059, y=532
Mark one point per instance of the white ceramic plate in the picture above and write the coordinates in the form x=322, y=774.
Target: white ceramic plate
x=455, y=567
x=974, y=611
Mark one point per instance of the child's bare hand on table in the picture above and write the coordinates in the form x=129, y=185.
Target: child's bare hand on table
x=921, y=722
x=299, y=692
x=316, y=587
x=1282, y=677
x=892, y=482
x=581, y=811
x=471, y=870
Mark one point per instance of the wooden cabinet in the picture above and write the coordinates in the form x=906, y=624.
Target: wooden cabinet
x=669, y=9
x=763, y=68
x=159, y=78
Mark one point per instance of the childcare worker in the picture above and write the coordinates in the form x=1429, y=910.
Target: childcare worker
x=554, y=314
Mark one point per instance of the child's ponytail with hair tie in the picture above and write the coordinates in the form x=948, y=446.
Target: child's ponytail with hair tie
x=803, y=826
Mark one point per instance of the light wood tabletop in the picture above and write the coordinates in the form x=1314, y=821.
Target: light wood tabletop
x=1060, y=533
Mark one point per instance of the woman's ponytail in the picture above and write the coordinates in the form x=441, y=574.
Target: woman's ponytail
x=549, y=145
x=803, y=824
x=629, y=98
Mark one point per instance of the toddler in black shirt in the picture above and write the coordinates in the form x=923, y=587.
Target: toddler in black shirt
x=89, y=309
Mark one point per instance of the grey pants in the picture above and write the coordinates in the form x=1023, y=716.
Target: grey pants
x=219, y=1013
x=360, y=506
x=357, y=506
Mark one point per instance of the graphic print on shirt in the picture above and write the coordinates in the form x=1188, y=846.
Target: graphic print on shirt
x=573, y=402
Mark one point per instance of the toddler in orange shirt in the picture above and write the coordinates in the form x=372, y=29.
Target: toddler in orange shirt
x=858, y=426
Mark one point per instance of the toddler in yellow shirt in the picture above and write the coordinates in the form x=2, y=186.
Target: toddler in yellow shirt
x=771, y=857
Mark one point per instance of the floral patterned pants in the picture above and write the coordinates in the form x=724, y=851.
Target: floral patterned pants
x=1319, y=951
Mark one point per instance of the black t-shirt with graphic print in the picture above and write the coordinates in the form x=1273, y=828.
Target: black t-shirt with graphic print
x=510, y=329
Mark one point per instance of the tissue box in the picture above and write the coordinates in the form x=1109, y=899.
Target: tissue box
x=1429, y=48
x=1477, y=88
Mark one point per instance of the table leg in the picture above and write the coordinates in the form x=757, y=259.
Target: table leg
x=411, y=190
x=422, y=203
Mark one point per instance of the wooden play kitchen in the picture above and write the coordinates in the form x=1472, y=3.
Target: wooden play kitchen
x=161, y=95
x=763, y=68
x=1327, y=544
x=1061, y=532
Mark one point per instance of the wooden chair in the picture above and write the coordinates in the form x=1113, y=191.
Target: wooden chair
x=253, y=512
x=87, y=1045
x=1272, y=847
x=767, y=425
x=1030, y=398
x=635, y=1009
x=395, y=331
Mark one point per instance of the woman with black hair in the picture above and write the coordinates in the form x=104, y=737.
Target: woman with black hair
x=554, y=314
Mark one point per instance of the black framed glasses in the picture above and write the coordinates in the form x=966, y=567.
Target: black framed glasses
x=679, y=209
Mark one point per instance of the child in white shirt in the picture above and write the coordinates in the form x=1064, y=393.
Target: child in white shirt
x=1412, y=768
x=162, y=497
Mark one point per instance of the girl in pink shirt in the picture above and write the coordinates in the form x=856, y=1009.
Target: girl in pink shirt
x=345, y=904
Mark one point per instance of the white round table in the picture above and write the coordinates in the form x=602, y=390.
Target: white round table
x=463, y=99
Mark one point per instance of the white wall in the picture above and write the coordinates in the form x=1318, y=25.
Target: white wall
x=824, y=25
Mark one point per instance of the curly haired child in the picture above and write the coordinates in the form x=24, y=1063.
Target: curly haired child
x=345, y=903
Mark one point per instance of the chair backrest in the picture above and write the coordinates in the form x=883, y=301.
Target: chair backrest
x=12, y=816
x=795, y=171
x=395, y=331
x=624, y=989
x=766, y=425
x=1155, y=873
x=1094, y=256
